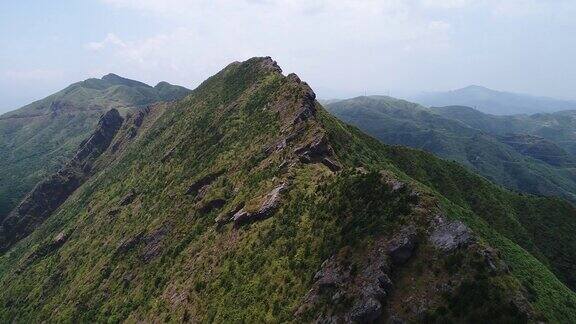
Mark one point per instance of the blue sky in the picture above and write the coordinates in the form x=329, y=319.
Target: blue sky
x=341, y=47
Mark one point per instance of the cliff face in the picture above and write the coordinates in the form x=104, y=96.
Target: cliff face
x=38, y=139
x=49, y=194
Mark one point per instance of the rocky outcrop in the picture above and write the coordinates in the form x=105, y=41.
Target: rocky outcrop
x=49, y=194
x=448, y=235
x=359, y=290
x=267, y=63
x=227, y=216
x=318, y=151
x=307, y=107
x=98, y=142
x=402, y=246
x=269, y=205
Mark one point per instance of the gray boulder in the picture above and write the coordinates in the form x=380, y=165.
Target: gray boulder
x=401, y=248
x=450, y=235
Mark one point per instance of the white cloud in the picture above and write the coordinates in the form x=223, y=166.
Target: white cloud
x=305, y=36
x=110, y=40
x=351, y=44
x=445, y=4
x=33, y=75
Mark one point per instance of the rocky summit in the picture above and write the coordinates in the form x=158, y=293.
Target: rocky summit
x=246, y=201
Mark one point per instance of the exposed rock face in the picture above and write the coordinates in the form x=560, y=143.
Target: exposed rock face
x=318, y=151
x=267, y=208
x=366, y=311
x=338, y=281
x=49, y=194
x=267, y=63
x=98, y=142
x=493, y=261
x=402, y=246
x=226, y=217
x=129, y=243
x=450, y=235
x=308, y=106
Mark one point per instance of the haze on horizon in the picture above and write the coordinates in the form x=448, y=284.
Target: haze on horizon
x=342, y=48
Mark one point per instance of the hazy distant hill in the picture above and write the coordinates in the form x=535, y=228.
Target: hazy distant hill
x=38, y=138
x=493, y=102
x=558, y=127
x=527, y=163
x=247, y=202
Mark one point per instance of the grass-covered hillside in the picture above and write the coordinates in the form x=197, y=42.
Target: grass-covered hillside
x=519, y=162
x=39, y=138
x=248, y=202
x=557, y=127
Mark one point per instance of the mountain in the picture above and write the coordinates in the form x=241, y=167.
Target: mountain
x=247, y=202
x=555, y=127
x=525, y=163
x=494, y=102
x=39, y=138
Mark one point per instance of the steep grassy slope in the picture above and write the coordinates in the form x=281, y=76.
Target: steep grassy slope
x=494, y=102
x=248, y=202
x=518, y=162
x=39, y=138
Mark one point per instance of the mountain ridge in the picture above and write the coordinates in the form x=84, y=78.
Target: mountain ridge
x=247, y=201
x=493, y=101
x=538, y=165
x=40, y=137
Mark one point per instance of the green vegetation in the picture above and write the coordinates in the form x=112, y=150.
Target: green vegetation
x=555, y=127
x=519, y=162
x=161, y=257
x=37, y=139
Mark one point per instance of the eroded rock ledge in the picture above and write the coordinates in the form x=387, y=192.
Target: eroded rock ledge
x=268, y=206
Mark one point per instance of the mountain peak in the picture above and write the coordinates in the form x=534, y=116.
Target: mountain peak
x=474, y=87
x=118, y=80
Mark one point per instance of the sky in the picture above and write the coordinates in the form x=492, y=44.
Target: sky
x=342, y=48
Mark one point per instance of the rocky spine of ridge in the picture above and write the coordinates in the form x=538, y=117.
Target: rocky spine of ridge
x=379, y=284
x=49, y=194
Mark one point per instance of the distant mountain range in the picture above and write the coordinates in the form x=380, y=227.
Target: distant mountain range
x=39, y=138
x=493, y=102
x=534, y=154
